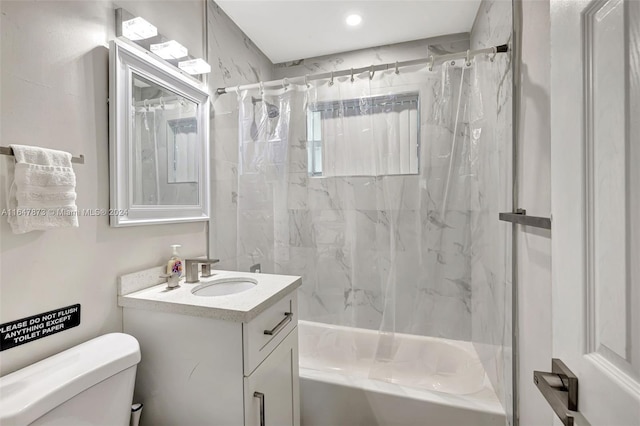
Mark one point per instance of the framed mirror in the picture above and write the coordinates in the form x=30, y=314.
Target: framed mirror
x=159, y=133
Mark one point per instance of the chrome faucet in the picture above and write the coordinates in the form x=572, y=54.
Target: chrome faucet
x=191, y=265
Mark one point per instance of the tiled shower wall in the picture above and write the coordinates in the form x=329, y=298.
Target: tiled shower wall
x=471, y=299
x=235, y=60
x=337, y=232
x=491, y=250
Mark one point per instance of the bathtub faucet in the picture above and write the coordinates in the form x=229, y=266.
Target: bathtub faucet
x=191, y=265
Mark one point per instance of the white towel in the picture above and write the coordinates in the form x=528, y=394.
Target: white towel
x=42, y=195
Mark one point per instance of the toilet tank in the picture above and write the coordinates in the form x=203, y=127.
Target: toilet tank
x=89, y=384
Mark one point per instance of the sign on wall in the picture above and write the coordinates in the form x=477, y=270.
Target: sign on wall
x=25, y=330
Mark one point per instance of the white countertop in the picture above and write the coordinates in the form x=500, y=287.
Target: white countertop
x=239, y=307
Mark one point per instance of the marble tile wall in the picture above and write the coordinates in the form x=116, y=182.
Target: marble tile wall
x=374, y=56
x=451, y=275
x=374, y=248
x=235, y=60
x=491, y=247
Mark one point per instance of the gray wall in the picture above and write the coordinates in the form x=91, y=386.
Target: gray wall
x=54, y=87
x=534, y=246
x=54, y=94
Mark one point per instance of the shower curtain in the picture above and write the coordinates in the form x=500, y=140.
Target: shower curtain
x=145, y=165
x=369, y=200
x=165, y=154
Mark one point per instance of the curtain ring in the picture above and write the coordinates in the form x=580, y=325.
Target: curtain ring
x=306, y=80
x=371, y=73
x=161, y=102
x=285, y=83
x=352, y=75
x=261, y=88
x=397, y=70
x=331, y=81
x=468, y=58
x=146, y=105
x=431, y=63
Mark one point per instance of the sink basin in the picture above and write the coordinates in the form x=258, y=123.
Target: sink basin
x=224, y=286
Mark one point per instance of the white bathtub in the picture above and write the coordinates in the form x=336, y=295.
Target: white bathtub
x=430, y=382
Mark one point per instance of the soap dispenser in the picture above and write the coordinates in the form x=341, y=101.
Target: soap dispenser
x=174, y=267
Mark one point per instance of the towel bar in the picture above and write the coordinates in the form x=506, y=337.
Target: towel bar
x=6, y=150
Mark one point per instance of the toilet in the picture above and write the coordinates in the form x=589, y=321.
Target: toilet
x=89, y=384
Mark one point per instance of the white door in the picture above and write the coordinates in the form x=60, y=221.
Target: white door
x=595, y=166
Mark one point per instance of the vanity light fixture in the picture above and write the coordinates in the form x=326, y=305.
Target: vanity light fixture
x=138, y=29
x=170, y=50
x=195, y=66
x=354, y=20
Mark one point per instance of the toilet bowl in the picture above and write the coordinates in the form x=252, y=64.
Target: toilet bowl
x=89, y=384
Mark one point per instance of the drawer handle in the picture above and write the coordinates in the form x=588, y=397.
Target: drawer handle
x=260, y=396
x=282, y=324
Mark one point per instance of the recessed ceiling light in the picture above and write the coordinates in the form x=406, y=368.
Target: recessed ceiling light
x=354, y=20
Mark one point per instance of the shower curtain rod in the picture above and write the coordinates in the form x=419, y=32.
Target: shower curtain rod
x=432, y=60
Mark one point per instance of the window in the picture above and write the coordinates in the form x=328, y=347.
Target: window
x=370, y=136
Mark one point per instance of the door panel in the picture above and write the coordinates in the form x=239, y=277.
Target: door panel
x=633, y=101
x=608, y=276
x=594, y=159
x=605, y=173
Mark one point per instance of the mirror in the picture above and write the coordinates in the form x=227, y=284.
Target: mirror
x=158, y=140
x=181, y=139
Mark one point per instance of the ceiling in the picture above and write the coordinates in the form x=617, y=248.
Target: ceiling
x=298, y=29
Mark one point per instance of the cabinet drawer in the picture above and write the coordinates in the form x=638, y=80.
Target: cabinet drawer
x=261, y=336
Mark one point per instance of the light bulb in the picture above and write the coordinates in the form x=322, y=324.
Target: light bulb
x=195, y=66
x=354, y=20
x=138, y=29
x=170, y=50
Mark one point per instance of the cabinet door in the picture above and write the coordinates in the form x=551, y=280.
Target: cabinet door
x=271, y=392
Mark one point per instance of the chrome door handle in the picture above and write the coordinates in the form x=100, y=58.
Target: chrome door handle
x=260, y=396
x=275, y=330
x=560, y=389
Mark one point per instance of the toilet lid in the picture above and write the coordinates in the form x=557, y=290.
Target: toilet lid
x=29, y=393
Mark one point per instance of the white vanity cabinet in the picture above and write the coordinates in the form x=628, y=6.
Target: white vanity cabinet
x=199, y=370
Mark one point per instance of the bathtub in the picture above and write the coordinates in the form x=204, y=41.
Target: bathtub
x=430, y=382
